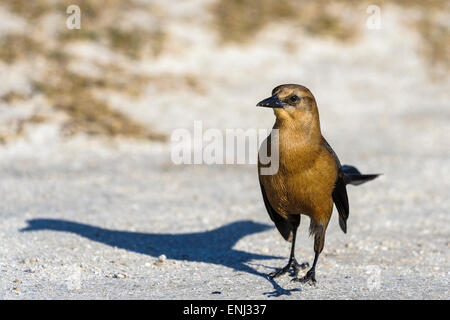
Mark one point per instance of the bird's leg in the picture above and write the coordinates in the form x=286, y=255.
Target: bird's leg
x=292, y=261
x=311, y=274
x=319, y=241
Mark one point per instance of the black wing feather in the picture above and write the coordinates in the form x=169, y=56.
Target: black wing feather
x=340, y=197
x=284, y=226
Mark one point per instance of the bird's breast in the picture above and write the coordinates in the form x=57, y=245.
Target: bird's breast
x=304, y=181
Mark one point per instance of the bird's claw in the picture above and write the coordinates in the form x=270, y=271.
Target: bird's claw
x=302, y=266
x=310, y=278
x=279, y=272
x=291, y=264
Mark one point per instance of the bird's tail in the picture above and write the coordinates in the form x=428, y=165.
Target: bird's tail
x=354, y=177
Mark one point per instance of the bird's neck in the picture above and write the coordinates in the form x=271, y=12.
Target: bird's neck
x=299, y=142
x=303, y=130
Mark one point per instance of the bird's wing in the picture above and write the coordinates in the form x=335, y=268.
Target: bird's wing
x=340, y=197
x=285, y=227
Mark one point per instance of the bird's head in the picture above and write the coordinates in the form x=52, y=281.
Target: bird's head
x=291, y=102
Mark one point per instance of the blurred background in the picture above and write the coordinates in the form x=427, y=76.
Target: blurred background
x=140, y=68
x=86, y=117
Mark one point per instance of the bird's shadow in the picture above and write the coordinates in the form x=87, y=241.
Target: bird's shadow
x=215, y=246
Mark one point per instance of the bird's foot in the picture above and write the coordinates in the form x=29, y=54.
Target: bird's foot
x=291, y=264
x=310, y=278
x=299, y=266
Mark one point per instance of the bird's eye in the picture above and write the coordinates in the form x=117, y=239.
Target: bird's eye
x=294, y=98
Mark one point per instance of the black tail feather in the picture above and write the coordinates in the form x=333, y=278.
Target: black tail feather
x=354, y=177
x=360, y=179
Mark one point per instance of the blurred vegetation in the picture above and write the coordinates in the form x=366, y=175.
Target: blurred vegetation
x=28, y=9
x=434, y=30
x=17, y=46
x=239, y=21
x=99, y=23
x=436, y=42
x=75, y=94
x=236, y=21
x=16, y=127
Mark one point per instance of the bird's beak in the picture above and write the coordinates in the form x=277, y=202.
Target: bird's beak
x=272, y=102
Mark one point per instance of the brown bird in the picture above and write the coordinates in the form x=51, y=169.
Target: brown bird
x=309, y=178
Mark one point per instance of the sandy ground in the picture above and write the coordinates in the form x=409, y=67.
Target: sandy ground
x=92, y=221
x=85, y=218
